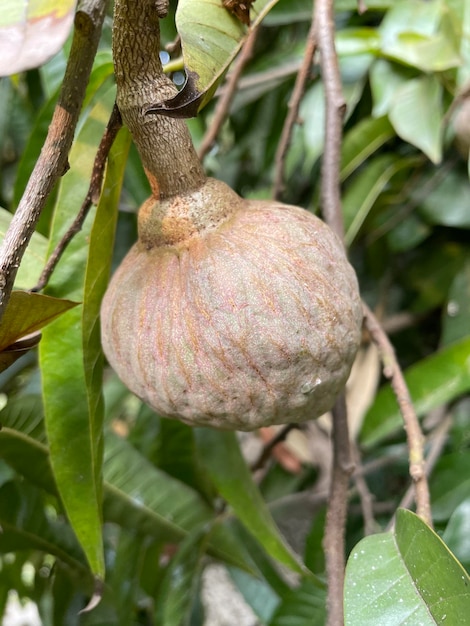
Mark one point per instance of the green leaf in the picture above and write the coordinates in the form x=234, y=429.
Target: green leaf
x=457, y=533
x=98, y=269
x=181, y=581
x=25, y=526
x=385, y=79
x=34, y=257
x=450, y=485
x=420, y=35
x=125, y=575
x=258, y=594
x=416, y=115
x=139, y=496
x=210, y=39
x=220, y=454
x=351, y=41
x=24, y=413
x=448, y=203
x=73, y=432
x=27, y=313
x=28, y=457
x=432, y=382
x=303, y=606
x=142, y=496
x=405, y=577
x=362, y=141
x=366, y=187
x=32, y=31
x=407, y=234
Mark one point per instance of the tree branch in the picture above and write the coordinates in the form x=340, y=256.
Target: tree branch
x=415, y=438
x=92, y=196
x=333, y=540
x=52, y=162
x=225, y=100
x=437, y=442
x=335, y=528
x=335, y=107
x=292, y=116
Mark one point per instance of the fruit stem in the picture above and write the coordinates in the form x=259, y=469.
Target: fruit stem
x=164, y=143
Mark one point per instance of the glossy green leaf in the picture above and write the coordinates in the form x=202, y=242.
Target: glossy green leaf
x=220, y=453
x=33, y=259
x=405, y=577
x=416, y=115
x=211, y=36
x=32, y=31
x=362, y=141
x=98, y=270
x=181, y=581
x=364, y=190
x=73, y=432
x=432, y=382
x=28, y=312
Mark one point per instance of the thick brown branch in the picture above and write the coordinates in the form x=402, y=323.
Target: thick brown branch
x=415, y=438
x=92, y=196
x=292, y=116
x=164, y=143
x=225, y=100
x=52, y=162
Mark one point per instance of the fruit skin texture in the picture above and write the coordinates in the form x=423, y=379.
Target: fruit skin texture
x=243, y=319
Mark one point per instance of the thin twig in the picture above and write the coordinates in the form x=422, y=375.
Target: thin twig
x=293, y=114
x=225, y=100
x=335, y=527
x=392, y=370
x=92, y=196
x=270, y=445
x=438, y=440
x=52, y=162
x=365, y=496
x=333, y=540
